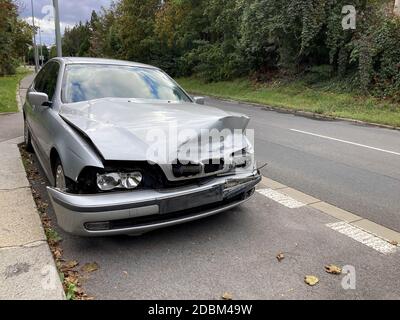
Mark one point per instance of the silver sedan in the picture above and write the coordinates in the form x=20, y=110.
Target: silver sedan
x=127, y=150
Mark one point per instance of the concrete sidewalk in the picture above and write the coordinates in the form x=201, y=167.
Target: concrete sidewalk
x=27, y=268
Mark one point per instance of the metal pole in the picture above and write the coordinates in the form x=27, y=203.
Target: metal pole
x=34, y=41
x=58, y=29
x=41, y=47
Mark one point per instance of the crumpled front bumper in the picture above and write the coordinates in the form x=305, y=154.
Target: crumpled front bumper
x=140, y=211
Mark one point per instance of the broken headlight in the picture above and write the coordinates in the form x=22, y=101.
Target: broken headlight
x=121, y=180
x=242, y=158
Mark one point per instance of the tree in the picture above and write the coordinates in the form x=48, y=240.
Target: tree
x=76, y=41
x=15, y=37
x=53, y=52
x=134, y=27
x=223, y=39
x=22, y=38
x=397, y=7
x=104, y=39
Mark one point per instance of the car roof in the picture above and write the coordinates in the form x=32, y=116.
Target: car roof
x=82, y=60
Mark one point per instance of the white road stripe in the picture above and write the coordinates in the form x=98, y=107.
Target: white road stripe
x=281, y=198
x=363, y=237
x=348, y=142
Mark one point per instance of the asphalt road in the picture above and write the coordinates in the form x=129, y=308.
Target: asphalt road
x=233, y=252
x=356, y=178
x=236, y=251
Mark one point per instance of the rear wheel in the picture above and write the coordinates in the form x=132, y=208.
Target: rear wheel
x=27, y=137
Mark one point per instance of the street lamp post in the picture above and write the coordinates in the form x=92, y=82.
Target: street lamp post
x=35, y=48
x=41, y=47
x=58, y=29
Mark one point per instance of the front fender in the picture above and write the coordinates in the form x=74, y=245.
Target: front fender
x=74, y=150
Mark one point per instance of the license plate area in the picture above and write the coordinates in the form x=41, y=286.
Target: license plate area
x=214, y=194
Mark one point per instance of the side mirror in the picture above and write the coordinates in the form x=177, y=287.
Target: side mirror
x=38, y=99
x=198, y=100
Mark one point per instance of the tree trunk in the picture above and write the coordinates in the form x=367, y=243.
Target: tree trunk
x=397, y=7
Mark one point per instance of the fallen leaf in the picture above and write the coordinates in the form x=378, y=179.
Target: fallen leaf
x=311, y=280
x=280, y=257
x=90, y=267
x=79, y=291
x=86, y=297
x=227, y=296
x=57, y=253
x=72, y=279
x=394, y=243
x=333, y=269
x=70, y=264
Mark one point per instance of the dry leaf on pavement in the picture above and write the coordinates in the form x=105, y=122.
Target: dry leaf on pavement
x=57, y=253
x=311, y=280
x=70, y=264
x=227, y=296
x=280, y=257
x=333, y=269
x=90, y=267
x=72, y=278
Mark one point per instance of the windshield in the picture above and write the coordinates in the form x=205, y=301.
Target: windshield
x=85, y=82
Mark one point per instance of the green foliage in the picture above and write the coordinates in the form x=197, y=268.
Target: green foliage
x=224, y=39
x=8, y=89
x=30, y=55
x=386, y=59
x=319, y=98
x=15, y=36
x=76, y=40
x=71, y=290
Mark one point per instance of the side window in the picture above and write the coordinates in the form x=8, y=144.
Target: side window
x=47, y=79
x=37, y=85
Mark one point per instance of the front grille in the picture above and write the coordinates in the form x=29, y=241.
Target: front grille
x=186, y=170
x=191, y=169
x=214, y=165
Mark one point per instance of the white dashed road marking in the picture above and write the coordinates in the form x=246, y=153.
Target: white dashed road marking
x=281, y=198
x=363, y=237
x=348, y=142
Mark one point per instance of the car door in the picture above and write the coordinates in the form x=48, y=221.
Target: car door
x=29, y=108
x=40, y=116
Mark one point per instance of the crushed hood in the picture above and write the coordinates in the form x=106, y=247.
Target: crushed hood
x=119, y=128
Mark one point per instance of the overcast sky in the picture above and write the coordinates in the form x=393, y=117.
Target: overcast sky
x=71, y=12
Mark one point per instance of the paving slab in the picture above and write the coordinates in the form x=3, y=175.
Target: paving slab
x=11, y=126
x=15, y=141
x=12, y=172
x=20, y=221
x=28, y=273
x=23, y=87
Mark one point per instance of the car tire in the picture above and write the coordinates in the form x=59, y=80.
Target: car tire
x=61, y=182
x=27, y=138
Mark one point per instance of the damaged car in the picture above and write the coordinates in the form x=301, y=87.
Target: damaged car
x=126, y=150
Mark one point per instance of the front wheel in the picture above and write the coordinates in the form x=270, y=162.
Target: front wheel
x=61, y=182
